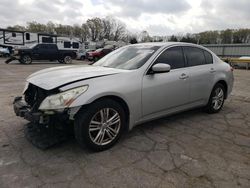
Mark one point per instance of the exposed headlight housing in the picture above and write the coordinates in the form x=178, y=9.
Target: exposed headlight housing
x=62, y=100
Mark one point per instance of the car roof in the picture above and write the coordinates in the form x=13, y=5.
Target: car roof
x=161, y=44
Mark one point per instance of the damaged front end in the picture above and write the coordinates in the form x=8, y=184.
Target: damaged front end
x=46, y=127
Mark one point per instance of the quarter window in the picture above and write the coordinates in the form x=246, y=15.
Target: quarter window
x=208, y=57
x=172, y=56
x=195, y=56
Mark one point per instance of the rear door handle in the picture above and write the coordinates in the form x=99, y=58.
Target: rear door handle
x=212, y=70
x=183, y=76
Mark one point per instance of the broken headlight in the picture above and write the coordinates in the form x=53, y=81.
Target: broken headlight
x=62, y=100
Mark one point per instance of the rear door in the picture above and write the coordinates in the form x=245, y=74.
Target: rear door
x=52, y=51
x=162, y=92
x=201, y=72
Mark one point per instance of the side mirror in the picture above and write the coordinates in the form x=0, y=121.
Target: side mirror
x=160, y=68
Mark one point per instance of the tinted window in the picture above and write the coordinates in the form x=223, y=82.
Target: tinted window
x=173, y=56
x=195, y=56
x=106, y=50
x=51, y=47
x=42, y=46
x=27, y=36
x=47, y=40
x=208, y=57
x=67, y=44
x=75, y=45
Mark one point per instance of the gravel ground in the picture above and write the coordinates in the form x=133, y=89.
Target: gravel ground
x=191, y=149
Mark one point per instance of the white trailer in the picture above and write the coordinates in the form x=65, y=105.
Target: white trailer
x=18, y=39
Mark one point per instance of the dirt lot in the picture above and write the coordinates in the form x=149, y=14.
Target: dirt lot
x=192, y=149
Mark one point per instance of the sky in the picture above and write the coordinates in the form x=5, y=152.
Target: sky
x=158, y=17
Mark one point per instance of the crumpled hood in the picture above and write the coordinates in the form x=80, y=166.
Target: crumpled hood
x=54, y=77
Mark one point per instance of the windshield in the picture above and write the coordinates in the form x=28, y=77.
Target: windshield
x=33, y=45
x=128, y=58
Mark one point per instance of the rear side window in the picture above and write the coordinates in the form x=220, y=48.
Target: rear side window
x=172, y=56
x=208, y=57
x=195, y=56
x=75, y=45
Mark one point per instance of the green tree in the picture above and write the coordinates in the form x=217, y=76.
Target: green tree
x=173, y=38
x=226, y=36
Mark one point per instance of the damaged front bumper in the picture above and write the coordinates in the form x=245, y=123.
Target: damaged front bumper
x=22, y=109
x=43, y=131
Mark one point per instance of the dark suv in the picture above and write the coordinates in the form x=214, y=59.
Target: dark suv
x=45, y=51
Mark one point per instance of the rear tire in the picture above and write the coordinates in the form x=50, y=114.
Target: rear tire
x=95, y=128
x=26, y=59
x=216, y=99
x=67, y=59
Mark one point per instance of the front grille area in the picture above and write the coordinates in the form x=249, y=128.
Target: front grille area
x=34, y=96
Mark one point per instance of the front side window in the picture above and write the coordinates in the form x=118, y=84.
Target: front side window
x=195, y=56
x=172, y=56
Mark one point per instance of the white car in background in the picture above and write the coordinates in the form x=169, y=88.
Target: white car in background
x=81, y=54
x=4, y=52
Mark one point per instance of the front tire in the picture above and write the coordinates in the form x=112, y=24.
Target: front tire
x=26, y=59
x=216, y=99
x=100, y=125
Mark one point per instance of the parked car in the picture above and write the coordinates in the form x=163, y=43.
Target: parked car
x=81, y=54
x=98, y=54
x=44, y=51
x=132, y=85
x=4, y=52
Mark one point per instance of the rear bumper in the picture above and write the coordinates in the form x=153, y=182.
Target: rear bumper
x=23, y=110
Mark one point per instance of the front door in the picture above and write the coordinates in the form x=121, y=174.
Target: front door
x=165, y=91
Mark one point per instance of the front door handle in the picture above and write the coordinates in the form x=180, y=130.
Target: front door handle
x=183, y=76
x=212, y=70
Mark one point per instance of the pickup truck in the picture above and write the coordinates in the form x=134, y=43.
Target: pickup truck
x=43, y=51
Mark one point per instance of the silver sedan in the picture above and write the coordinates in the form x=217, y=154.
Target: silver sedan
x=131, y=85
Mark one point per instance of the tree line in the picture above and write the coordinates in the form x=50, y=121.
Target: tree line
x=97, y=29
x=94, y=29
x=228, y=36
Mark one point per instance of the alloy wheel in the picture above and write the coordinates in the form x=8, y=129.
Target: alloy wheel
x=104, y=126
x=27, y=59
x=218, y=98
x=68, y=59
